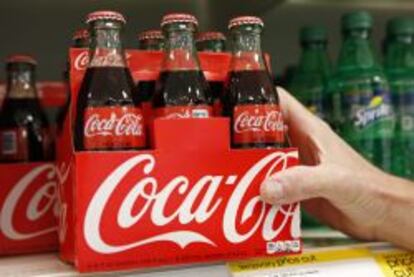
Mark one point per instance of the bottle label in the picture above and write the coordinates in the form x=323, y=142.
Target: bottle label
x=258, y=123
x=403, y=100
x=119, y=127
x=403, y=142
x=13, y=144
x=368, y=113
x=173, y=112
x=368, y=120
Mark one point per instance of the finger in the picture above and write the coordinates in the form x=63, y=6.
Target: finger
x=306, y=131
x=296, y=184
x=296, y=115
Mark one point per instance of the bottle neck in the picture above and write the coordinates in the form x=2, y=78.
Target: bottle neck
x=105, y=46
x=21, y=82
x=314, y=58
x=400, y=52
x=247, y=51
x=180, y=50
x=357, y=51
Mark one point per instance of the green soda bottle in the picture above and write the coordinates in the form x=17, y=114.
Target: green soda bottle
x=362, y=104
x=309, y=81
x=313, y=71
x=399, y=66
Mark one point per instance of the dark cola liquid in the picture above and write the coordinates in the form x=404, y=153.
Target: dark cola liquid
x=182, y=88
x=216, y=88
x=102, y=86
x=144, y=91
x=248, y=87
x=27, y=114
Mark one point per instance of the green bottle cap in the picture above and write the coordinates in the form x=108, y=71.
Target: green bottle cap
x=356, y=20
x=400, y=26
x=313, y=33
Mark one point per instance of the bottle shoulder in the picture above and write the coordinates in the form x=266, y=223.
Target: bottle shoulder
x=107, y=86
x=252, y=87
x=182, y=87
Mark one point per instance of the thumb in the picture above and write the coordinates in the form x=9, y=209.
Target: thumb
x=296, y=184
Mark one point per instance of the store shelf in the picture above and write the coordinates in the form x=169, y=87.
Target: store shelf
x=49, y=265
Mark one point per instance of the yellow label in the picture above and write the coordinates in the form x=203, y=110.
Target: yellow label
x=302, y=259
x=396, y=263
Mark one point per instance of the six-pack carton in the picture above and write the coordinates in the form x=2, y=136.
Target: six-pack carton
x=28, y=193
x=190, y=198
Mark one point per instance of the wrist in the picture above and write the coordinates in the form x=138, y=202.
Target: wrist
x=396, y=195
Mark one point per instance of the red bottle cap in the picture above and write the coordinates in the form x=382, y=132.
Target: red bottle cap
x=210, y=36
x=178, y=18
x=80, y=34
x=102, y=15
x=21, y=58
x=245, y=20
x=150, y=34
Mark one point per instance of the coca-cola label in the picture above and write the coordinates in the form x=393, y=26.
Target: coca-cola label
x=28, y=208
x=101, y=58
x=81, y=60
x=116, y=127
x=257, y=124
x=179, y=210
x=175, y=112
x=13, y=144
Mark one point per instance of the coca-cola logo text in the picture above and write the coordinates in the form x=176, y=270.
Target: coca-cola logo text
x=155, y=199
x=108, y=59
x=41, y=203
x=82, y=61
x=128, y=124
x=248, y=122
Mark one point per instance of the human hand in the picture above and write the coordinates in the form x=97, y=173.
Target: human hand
x=337, y=185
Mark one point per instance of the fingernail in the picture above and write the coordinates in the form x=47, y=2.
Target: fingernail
x=272, y=190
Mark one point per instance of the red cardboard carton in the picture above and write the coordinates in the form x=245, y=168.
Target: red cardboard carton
x=188, y=199
x=29, y=211
x=28, y=192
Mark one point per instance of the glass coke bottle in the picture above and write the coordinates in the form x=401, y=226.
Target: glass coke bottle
x=25, y=134
x=182, y=90
x=213, y=42
x=251, y=100
x=106, y=116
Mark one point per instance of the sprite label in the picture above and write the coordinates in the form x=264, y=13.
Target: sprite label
x=367, y=119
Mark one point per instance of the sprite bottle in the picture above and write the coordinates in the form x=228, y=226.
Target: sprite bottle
x=399, y=66
x=362, y=104
x=312, y=74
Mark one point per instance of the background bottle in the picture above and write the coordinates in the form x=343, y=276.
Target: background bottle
x=80, y=39
x=251, y=100
x=25, y=133
x=213, y=42
x=106, y=116
x=362, y=104
x=151, y=40
x=182, y=90
x=310, y=80
x=399, y=65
